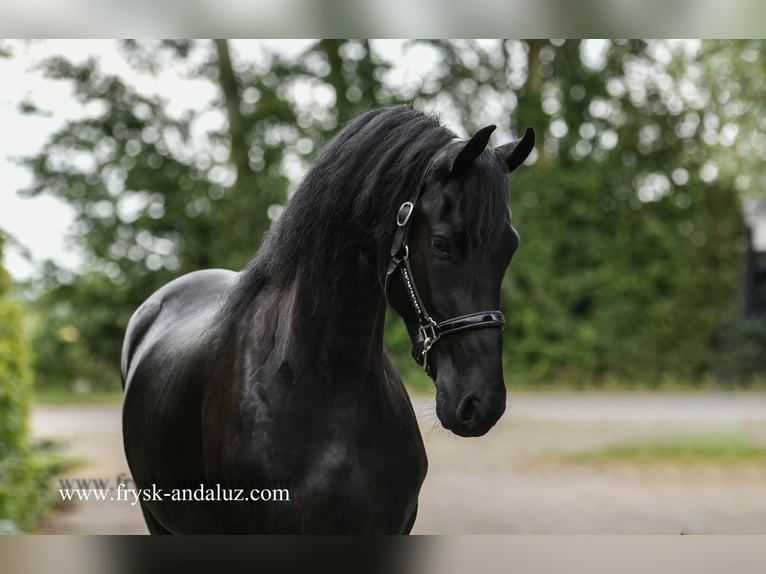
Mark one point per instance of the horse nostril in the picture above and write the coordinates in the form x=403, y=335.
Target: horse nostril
x=470, y=411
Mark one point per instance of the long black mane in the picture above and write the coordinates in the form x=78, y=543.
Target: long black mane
x=350, y=196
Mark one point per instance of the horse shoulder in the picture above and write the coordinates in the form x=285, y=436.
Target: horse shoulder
x=186, y=300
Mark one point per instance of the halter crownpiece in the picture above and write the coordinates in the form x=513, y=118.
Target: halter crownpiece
x=429, y=331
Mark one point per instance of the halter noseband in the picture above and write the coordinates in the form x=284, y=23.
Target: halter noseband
x=429, y=331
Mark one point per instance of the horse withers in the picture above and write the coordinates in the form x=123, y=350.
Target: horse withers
x=277, y=376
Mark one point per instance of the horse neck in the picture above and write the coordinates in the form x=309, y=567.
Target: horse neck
x=339, y=316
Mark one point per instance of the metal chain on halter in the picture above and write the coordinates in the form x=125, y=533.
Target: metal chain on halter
x=426, y=325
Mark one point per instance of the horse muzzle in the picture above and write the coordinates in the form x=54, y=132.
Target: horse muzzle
x=472, y=413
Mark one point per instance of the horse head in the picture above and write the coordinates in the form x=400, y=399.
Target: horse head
x=454, y=243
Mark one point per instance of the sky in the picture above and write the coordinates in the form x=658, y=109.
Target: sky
x=38, y=223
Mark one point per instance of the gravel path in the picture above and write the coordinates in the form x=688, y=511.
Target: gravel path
x=511, y=480
x=94, y=435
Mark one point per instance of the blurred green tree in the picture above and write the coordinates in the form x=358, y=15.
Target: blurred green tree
x=631, y=229
x=158, y=195
x=736, y=123
x=633, y=247
x=20, y=492
x=731, y=75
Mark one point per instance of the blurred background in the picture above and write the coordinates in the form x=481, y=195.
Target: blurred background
x=635, y=348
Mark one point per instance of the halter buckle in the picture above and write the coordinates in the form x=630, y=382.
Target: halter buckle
x=429, y=334
x=405, y=212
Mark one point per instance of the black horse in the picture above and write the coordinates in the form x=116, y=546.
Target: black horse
x=277, y=375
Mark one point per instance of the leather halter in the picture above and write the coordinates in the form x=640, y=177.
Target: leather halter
x=429, y=331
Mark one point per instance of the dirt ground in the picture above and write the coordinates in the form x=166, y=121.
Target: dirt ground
x=513, y=480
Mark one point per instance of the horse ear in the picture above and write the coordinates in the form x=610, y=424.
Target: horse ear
x=471, y=150
x=513, y=154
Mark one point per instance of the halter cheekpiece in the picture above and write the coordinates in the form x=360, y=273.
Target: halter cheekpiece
x=429, y=331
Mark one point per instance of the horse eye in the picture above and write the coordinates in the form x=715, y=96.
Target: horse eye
x=441, y=246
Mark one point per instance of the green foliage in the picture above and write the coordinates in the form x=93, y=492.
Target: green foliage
x=630, y=260
x=630, y=216
x=151, y=204
x=21, y=486
x=739, y=358
x=14, y=372
x=733, y=73
x=77, y=331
